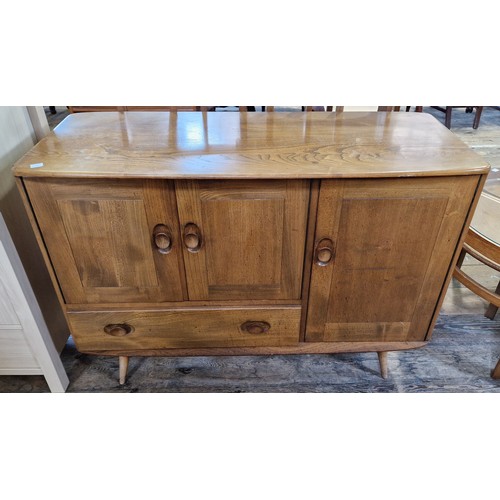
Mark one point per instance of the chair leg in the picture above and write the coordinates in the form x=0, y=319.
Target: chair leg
x=123, y=362
x=382, y=359
x=479, y=110
x=496, y=372
x=492, y=309
x=447, y=119
x=461, y=258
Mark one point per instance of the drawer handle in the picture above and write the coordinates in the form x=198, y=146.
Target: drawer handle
x=118, y=330
x=192, y=237
x=256, y=327
x=325, y=252
x=162, y=238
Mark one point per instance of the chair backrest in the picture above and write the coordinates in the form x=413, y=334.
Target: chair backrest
x=338, y=109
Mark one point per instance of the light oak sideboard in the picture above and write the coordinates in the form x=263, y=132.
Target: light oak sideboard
x=181, y=234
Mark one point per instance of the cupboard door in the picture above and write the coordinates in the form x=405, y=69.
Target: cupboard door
x=243, y=239
x=110, y=240
x=382, y=251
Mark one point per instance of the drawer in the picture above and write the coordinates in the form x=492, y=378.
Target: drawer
x=185, y=328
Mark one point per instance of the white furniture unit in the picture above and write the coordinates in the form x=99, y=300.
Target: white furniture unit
x=26, y=347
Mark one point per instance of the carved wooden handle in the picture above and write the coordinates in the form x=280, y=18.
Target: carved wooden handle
x=118, y=330
x=162, y=238
x=192, y=237
x=256, y=327
x=325, y=252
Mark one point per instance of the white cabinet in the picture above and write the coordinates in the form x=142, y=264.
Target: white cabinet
x=26, y=347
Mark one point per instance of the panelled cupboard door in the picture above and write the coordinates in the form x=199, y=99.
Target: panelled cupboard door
x=110, y=241
x=243, y=239
x=382, y=252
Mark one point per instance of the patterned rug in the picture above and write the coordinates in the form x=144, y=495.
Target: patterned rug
x=459, y=358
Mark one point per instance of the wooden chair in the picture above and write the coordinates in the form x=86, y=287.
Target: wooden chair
x=309, y=108
x=418, y=109
x=85, y=109
x=468, y=109
x=214, y=108
x=339, y=109
x=487, y=252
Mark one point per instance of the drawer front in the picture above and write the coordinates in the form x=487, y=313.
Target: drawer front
x=185, y=328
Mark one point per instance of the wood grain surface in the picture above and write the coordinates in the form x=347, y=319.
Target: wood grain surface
x=100, y=238
x=253, y=236
x=300, y=348
x=188, y=145
x=188, y=328
x=393, y=240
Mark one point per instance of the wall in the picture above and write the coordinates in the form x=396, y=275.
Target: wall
x=17, y=136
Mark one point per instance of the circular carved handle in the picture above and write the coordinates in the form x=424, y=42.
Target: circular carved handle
x=325, y=252
x=162, y=238
x=192, y=237
x=118, y=330
x=256, y=327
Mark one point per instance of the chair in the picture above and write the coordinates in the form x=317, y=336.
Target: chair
x=418, y=109
x=308, y=108
x=468, y=109
x=487, y=252
x=214, y=108
x=339, y=109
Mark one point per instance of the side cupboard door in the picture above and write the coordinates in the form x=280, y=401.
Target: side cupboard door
x=243, y=239
x=111, y=240
x=382, y=251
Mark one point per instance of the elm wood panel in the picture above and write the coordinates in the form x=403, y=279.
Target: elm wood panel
x=461, y=198
x=181, y=328
x=393, y=241
x=378, y=267
x=301, y=348
x=44, y=275
x=253, y=237
x=479, y=188
x=309, y=249
x=189, y=145
x=98, y=231
x=99, y=238
x=144, y=306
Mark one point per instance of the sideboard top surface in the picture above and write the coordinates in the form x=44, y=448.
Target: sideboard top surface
x=249, y=145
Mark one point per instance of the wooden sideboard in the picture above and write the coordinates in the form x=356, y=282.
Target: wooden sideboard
x=176, y=234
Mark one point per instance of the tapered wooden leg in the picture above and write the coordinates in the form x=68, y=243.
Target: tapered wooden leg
x=461, y=258
x=382, y=359
x=479, y=110
x=123, y=361
x=496, y=372
x=447, y=117
x=492, y=308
